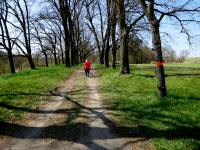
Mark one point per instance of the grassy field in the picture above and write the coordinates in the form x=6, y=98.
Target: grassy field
x=27, y=89
x=172, y=123
x=193, y=60
x=173, y=65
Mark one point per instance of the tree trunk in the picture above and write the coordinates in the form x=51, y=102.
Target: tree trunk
x=113, y=32
x=124, y=52
x=46, y=60
x=114, y=57
x=31, y=63
x=157, y=47
x=156, y=41
x=67, y=58
x=62, y=56
x=101, y=50
x=59, y=60
x=101, y=59
x=123, y=39
x=107, y=45
x=55, y=58
x=67, y=55
x=61, y=50
x=107, y=49
x=11, y=61
x=4, y=28
x=63, y=13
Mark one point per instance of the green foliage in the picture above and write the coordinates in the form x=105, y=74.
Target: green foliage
x=170, y=123
x=26, y=89
x=138, y=52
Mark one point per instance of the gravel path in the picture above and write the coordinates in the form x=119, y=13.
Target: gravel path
x=91, y=127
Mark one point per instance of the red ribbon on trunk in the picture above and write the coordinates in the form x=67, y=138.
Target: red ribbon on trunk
x=159, y=63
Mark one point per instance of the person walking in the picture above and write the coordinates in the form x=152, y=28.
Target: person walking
x=87, y=67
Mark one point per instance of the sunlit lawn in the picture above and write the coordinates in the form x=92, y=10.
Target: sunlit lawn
x=170, y=123
x=27, y=89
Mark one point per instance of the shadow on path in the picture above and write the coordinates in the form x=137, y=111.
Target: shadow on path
x=72, y=132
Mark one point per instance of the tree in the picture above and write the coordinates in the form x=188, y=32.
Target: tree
x=123, y=38
x=23, y=17
x=37, y=35
x=65, y=13
x=124, y=35
x=6, y=41
x=107, y=44
x=183, y=55
x=113, y=23
x=139, y=53
x=51, y=38
x=182, y=12
x=69, y=14
x=90, y=17
x=168, y=54
x=156, y=42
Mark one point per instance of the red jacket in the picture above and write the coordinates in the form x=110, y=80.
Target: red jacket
x=87, y=65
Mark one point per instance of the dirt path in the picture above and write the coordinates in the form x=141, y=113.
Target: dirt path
x=65, y=123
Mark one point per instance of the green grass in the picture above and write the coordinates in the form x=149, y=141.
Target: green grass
x=27, y=89
x=171, y=65
x=172, y=123
x=193, y=60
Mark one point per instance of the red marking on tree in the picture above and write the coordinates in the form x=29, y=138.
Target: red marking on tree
x=159, y=63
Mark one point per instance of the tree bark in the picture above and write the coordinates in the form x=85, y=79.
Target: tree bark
x=123, y=38
x=55, y=59
x=11, y=61
x=46, y=60
x=63, y=14
x=157, y=47
x=107, y=45
x=107, y=49
x=31, y=63
x=160, y=73
x=113, y=32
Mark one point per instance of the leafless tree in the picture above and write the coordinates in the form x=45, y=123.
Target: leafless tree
x=183, y=12
x=40, y=38
x=5, y=38
x=90, y=10
x=23, y=17
x=124, y=34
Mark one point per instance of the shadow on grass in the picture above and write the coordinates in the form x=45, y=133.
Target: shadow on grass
x=166, y=68
x=23, y=94
x=168, y=75
x=51, y=93
x=192, y=97
x=4, y=105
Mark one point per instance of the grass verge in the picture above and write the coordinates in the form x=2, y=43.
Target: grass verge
x=172, y=123
x=27, y=89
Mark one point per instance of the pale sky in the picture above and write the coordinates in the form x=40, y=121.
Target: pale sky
x=178, y=41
